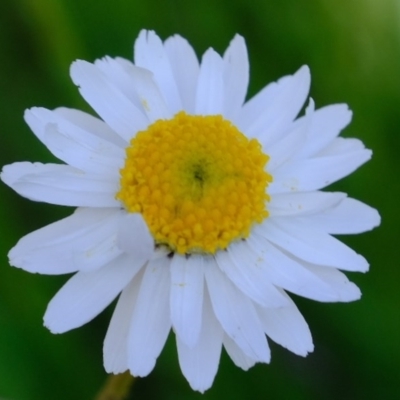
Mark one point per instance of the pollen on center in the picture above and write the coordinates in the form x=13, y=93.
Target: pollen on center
x=198, y=182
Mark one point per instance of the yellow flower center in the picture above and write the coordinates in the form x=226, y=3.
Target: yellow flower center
x=198, y=182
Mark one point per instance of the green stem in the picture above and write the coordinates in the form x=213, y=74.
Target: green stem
x=116, y=387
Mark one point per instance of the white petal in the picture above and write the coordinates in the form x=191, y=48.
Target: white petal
x=86, y=130
x=287, y=327
x=326, y=124
x=109, y=102
x=151, y=320
x=92, y=155
x=187, y=287
x=239, y=263
x=85, y=240
x=99, y=251
x=285, y=101
x=199, y=363
x=349, y=217
x=150, y=54
x=210, y=86
x=236, y=314
x=345, y=290
x=150, y=97
x=316, y=173
x=305, y=203
x=115, y=349
x=185, y=68
x=289, y=273
x=256, y=106
x=236, y=77
x=290, y=143
x=342, y=146
x=91, y=124
x=87, y=294
x=38, y=118
x=312, y=245
x=118, y=73
x=236, y=354
x=134, y=236
x=60, y=184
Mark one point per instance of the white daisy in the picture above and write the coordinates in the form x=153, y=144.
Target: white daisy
x=199, y=209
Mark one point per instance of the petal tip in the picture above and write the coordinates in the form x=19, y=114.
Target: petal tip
x=304, y=70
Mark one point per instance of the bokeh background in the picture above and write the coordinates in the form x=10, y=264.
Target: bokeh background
x=353, y=50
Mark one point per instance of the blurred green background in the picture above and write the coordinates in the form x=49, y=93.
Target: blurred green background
x=353, y=50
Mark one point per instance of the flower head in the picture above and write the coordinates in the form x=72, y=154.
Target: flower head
x=199, y=209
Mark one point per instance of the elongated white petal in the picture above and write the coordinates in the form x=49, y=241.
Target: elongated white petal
x=349, y=217
x=150, y=54
x=199, y=363
x=117, y=72
x=289, y=274
x=186, y=299
x=240, y=265
x=88, y=133
x=185, y=68
x=150, y=97
x=85, y=240
x=256, y=106
x=93, y=155
x=290, y=143
x=236, y=77
x=303, y=203
x=345, y=290
x=134, y=236
x=115, y=349
x=326, y=124
x=108, y=101
x=236, y=314
x=239, y=358
x=283, y=150
x=38, y=118
x=210, y=85
x=284, y=101
x=91, y=124
x=316, y=173
x=151, y=321
x=287, y=327
x=342, y=146
x=87, y=294
x=312, y=245
x=60, y=184
x=99, y=251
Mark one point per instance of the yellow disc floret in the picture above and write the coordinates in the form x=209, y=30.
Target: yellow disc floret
x=198, y=182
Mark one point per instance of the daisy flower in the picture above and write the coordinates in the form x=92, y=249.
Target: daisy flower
x=199, y=209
